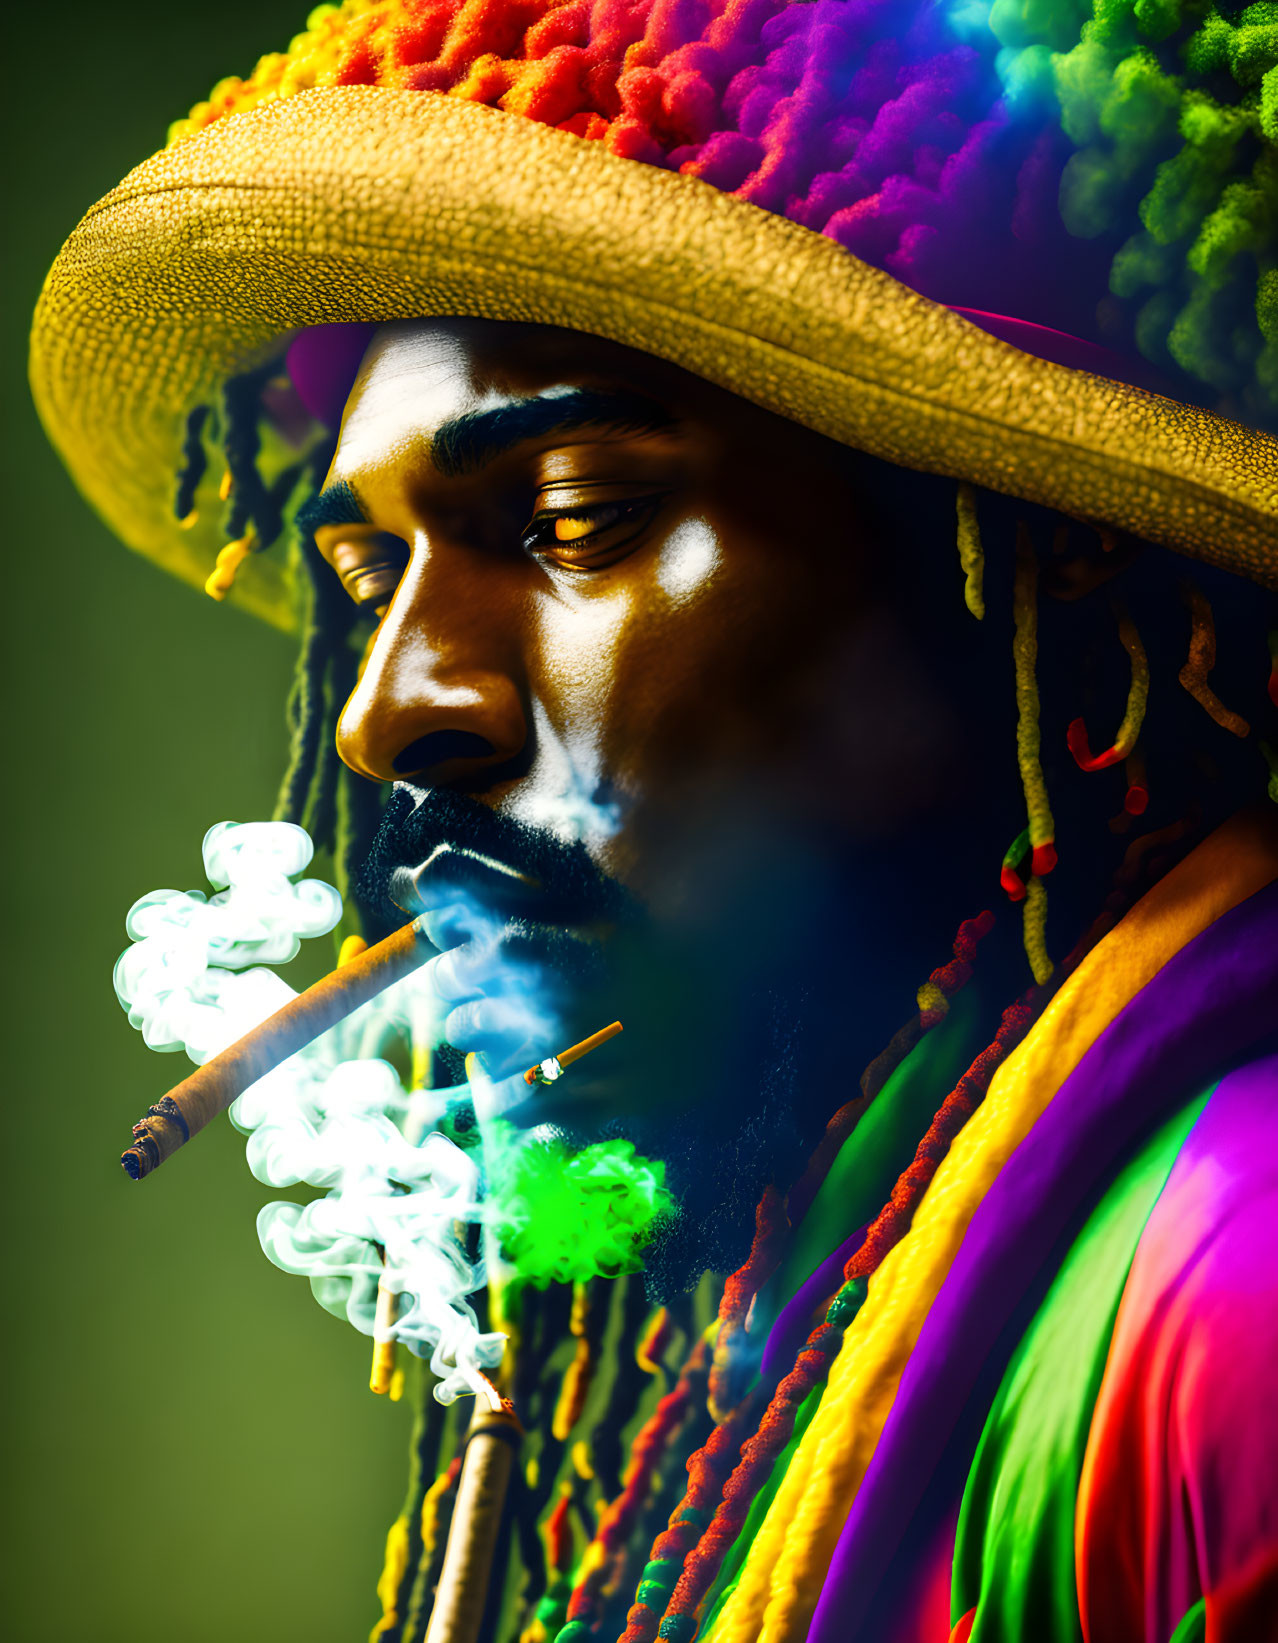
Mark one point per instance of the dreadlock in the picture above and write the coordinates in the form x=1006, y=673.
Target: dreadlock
x=324, y=677
x=252, y=503
x=1202, y=658
x=336, y=808
x=194, y=463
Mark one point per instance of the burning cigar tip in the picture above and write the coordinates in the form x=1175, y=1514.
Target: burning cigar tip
x=160, y=1132
x=497, y=1405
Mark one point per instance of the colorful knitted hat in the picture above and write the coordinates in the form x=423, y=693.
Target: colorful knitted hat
x=952, y=233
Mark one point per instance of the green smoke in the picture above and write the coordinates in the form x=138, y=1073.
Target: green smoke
x=565, y=1214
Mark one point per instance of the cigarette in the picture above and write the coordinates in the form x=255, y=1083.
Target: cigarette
x=383, y=1370
x=546, y=1072
x=211, y=1089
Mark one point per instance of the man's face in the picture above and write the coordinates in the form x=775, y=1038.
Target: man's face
x=630, y=626
x=600, y=581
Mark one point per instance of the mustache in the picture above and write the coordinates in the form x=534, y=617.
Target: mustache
x=562, y=885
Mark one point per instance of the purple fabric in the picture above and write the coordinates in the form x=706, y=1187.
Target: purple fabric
x=1203, y=1010
x=1063, y=349
x=321, y=364
x=791, y=1328
x=1182, y=1482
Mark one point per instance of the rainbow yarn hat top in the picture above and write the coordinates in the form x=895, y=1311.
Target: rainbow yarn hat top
x=965, y=237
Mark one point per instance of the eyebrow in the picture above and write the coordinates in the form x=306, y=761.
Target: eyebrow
x=336, y=504
x=468, y=443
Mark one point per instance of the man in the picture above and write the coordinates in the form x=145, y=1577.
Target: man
x=647, y=632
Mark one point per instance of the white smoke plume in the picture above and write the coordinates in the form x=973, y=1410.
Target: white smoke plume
x=334, y=1116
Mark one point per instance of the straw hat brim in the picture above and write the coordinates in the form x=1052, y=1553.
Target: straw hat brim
x=362, y=203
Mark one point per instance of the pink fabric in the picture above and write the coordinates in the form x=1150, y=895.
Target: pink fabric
x=1063, y=349
x=925, y=1613
x=1179, y=1493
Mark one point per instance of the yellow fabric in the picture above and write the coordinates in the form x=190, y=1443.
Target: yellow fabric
x=777, y=1592
x=366, y=203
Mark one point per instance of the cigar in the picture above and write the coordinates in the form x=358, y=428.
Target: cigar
x=210, y=1089
x=554, y=1067
x=462, y=1592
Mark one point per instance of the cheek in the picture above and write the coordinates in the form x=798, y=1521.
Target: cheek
x=689, y=664
x=578, y=650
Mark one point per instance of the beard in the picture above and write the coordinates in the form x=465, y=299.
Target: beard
x=707, y=1077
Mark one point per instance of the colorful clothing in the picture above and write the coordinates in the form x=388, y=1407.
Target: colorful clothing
x=1090, y=1381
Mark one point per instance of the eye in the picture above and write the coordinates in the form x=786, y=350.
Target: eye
x=591, y=537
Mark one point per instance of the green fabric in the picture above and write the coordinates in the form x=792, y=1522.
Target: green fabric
x=858, y=1185
x=852, y=1194
x=1014, y=1549
x=879, y=1148
x=726, y=1581
x=1193, y=1625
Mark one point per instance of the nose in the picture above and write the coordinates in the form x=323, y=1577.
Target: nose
x=441, y=700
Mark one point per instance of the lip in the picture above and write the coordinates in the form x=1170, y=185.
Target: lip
x=436, y=842
x=451, y=871
x=496, y=974
x=524, y=921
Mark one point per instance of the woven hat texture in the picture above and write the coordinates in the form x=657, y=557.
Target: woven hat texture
x=758, y=191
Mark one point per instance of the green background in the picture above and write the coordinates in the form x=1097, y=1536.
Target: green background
x=191, y=1450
